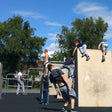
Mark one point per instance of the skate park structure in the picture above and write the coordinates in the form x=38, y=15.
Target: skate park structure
x=94, y=80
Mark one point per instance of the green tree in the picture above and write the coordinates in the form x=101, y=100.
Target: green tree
x=57, y=56
x=89, y=31
x=18, y=43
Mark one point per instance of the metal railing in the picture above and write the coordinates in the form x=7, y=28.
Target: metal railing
x=13, y=79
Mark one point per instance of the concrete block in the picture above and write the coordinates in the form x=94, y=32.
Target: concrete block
x=94, y=80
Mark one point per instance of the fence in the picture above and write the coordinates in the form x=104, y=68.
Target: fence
x=11, y=81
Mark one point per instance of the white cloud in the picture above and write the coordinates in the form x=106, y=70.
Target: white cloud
x=52, y=48
x=96, y=10
x=30, y=14
x=53, y=24
x=88, y=8
x=52, y=36
x=108, y=34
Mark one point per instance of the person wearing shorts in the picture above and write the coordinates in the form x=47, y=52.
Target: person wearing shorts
x=46, y=62
x=103, y=46
x=68, y=93
x=82, y=48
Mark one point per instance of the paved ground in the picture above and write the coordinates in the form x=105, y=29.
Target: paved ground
x=31, y=103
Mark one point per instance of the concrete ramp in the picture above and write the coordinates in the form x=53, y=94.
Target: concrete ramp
x=94, y=80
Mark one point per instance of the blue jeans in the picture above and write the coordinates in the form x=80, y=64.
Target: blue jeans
x=45, y=95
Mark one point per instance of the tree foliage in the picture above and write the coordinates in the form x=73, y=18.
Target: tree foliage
x=89, y=31
x=18, y=43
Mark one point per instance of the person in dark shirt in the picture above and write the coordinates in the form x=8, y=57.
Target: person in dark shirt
x=82, y=48
x=68, y=64
x=45, y=90
x=68, y=93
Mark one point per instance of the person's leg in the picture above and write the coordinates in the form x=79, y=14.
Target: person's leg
x=46, y=69
x=69, y=70
x=18, y=88
x=72, y=104
x=64, y=109
x=85, y=52
x=22, y=85
x=81, y=50
x=41, y=88
x=44, y=93
x=64, y=92
x=106, y=51
x=61, y=67
x=46, y=96
x=103, y=54
x=72, y=95
x=72, y=69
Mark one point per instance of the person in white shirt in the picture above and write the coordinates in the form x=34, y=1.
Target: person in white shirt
x=20, y=83
x=103, y=46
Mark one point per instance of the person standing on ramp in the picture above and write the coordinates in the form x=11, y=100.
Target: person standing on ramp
x=103, y=46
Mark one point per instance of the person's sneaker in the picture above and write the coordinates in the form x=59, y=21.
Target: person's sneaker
x=24, y=94
x=42, y=103
x=106, y=53
x=88, y=58
x=45, y=103
x=103, y=60
x=17, y=94
x=73, y=111
x=63, y=110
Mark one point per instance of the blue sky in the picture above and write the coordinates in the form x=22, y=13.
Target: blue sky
x=47, y=16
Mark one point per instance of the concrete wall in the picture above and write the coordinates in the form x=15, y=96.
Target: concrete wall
x=0, y=80
x=94, y=80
